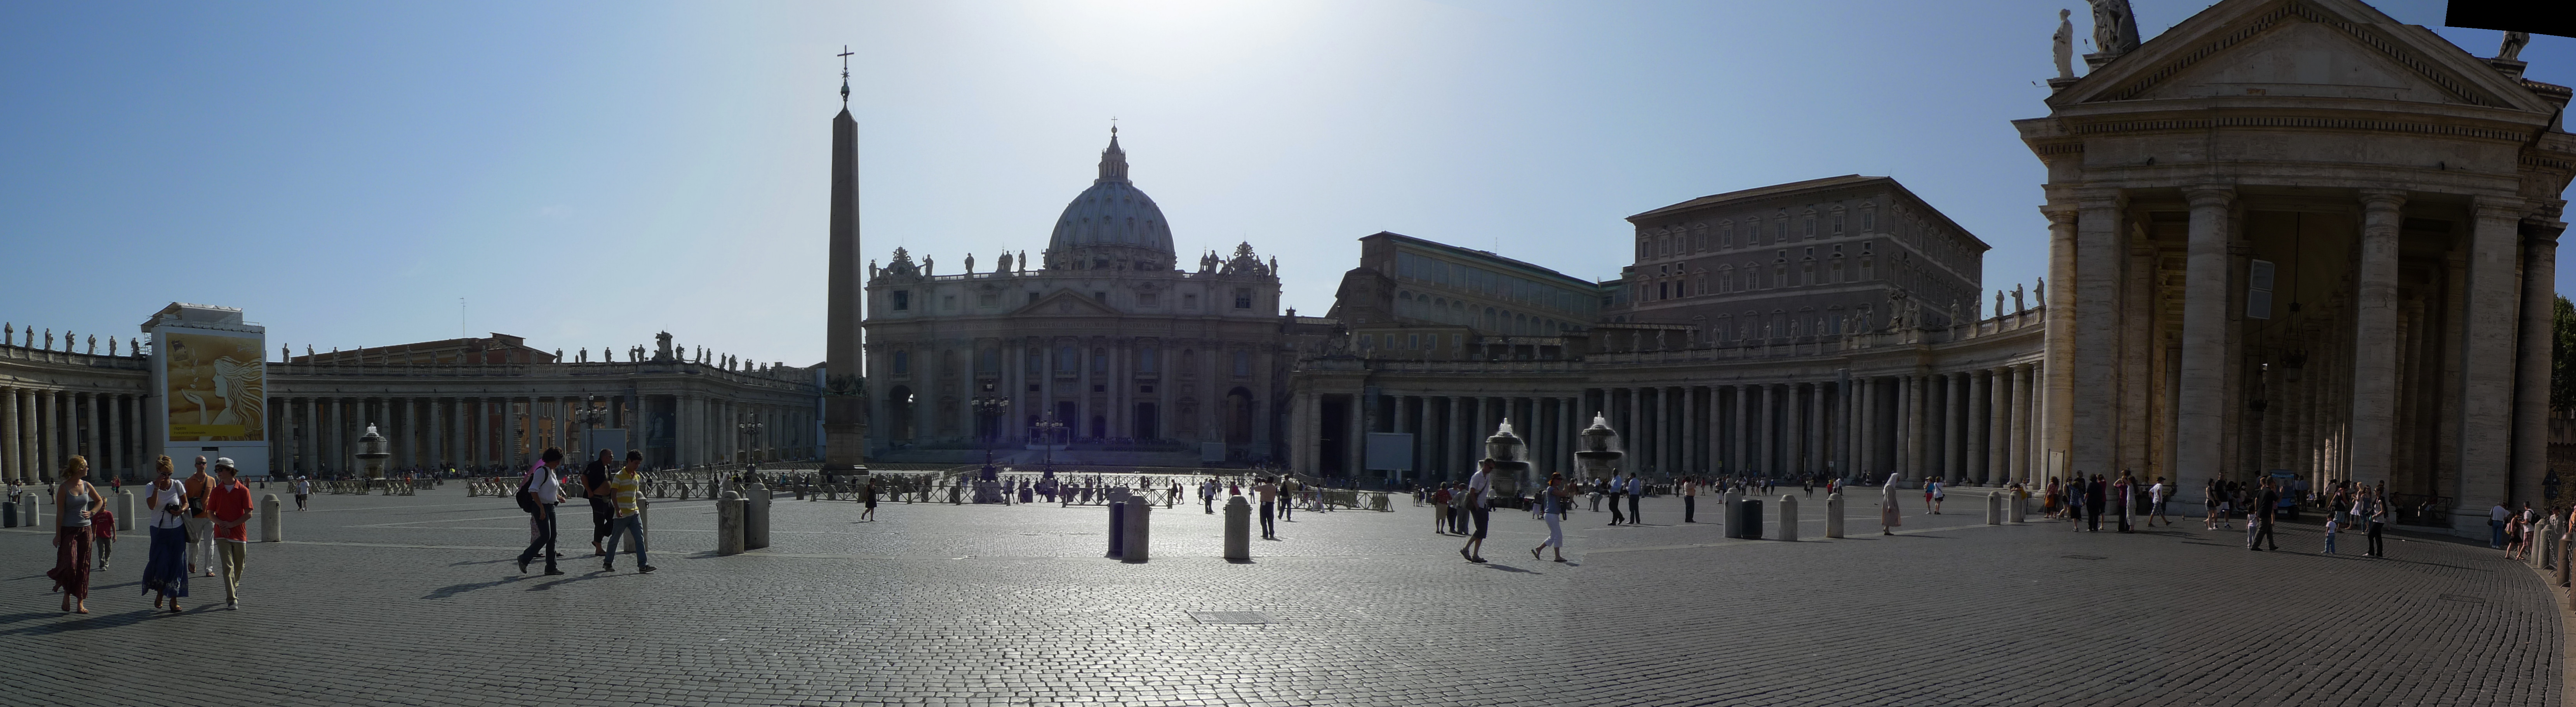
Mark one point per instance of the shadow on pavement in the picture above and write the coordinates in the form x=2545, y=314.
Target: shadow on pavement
x=455, y=589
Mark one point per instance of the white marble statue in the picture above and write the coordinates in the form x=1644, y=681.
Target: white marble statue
x=2063, y=45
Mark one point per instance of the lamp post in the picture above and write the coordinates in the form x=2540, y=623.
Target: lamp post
x=990, y=407
x=750, y=427
x=592, y=416
x=1047, y=430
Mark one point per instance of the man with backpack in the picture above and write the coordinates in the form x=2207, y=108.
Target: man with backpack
x=539, y=491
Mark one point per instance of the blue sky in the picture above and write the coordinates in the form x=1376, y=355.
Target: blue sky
x=586, y=174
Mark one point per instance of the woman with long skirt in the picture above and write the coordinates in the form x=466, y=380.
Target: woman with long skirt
x=1888, y=517
x=74, y=498
x=165, y=572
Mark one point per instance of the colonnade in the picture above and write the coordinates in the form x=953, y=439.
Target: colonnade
x=39, y=427
x=320, y=435
x=1449, y=432
x=1970, y=426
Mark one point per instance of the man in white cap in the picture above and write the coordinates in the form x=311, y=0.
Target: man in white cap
x=303, y=488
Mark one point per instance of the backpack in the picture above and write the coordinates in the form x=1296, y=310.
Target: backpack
x=527, y=499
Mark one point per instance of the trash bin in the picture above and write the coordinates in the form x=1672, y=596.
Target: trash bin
x=9, y=514
x=1746, y=520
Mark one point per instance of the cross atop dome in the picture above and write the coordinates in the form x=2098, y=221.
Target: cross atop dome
x=1113, y=161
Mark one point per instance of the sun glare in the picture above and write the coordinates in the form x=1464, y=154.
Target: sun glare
x=1169, y=38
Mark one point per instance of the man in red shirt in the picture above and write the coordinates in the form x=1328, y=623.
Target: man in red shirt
x=229, y=505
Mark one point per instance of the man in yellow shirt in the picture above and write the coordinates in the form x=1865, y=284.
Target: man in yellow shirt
x=625, y=488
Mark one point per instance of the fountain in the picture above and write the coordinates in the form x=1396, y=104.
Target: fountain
x=1504, y=450
x=372, y=455
x=1596, y=458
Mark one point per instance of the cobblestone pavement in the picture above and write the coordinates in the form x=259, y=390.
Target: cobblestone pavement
x=412, y=600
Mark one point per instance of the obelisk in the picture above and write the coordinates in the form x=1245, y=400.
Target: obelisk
x=845, y=403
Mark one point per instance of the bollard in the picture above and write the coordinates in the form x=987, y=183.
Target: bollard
x=124, y=510
x=1995, y=508
x=271, y=527
x=1833, y=515
x=1117, y=529
x=1789, y=518
x=755, y=516
x=2016, y=506
x=1727, y=505
x=30, y=514
x=729, y=524
x=1137, y=514
x=8, y=513
x=1238, y=530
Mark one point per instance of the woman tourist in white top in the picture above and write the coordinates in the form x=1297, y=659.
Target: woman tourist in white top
x=74, y=498
x=166, y=569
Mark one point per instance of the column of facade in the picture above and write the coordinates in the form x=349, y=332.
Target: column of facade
x=1954, y=414
x=1979, y=428
x=1453, y=429
x=2201, y=408
x=1739, y=443
x=1357, y=451
x=1912, y=434
x=48, y=440
x=1691, y=441
x=13, y=455
x=2021, y=441
x=114, y=423
x=1820, y=422
x=2531, y=394
x=1793, y=430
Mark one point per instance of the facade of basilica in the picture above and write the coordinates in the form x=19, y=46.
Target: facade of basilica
x=1101, y=347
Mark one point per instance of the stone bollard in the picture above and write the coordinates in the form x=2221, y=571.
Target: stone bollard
x=124, y=510
x=1238, y=530
x=2015, y=506
x=1789, y=518
x=1117, y=529
x=1833, y=515
x=1995, y=508
x=1137, y=533
x=1727, y=504
x=729, y=512
x=30, y=514
x=272, y=528
x=755, y=517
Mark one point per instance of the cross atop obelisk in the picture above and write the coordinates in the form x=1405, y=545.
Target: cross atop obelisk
x=845, y=76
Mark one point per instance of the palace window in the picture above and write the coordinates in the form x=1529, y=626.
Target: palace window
x=1148, y=299
x=1190, y=302
x=902, y=299
x=1145, y=360
x=1100, y=361
x=947, y=303
x=1036, y=361
x=1243, y=363
x=1242, y=298
x=989, y=299
x=903, y=363
x=1066, y=361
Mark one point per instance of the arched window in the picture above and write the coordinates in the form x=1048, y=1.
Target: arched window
x=1066, y=361
x=1146, y=361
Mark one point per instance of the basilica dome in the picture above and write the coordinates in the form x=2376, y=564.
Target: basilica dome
x=1111, y=221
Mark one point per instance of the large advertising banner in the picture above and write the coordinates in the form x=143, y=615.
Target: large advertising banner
x=215, y=387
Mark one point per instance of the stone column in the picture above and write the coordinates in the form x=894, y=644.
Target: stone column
x=1692, y=441
x=1460, y=455
x=2023, y=440
x=1864, y=428
x=2059, y=309
x=10, y=458
x=49, y=405
x=1793, y=430
x=1916, y=409
x=2531, y=393
x=1743, y=438
x=1972, y=433
x=2201, y=410
x=2374, y=353
x=114, y=422
x=1954, y=426
x=2486, y=392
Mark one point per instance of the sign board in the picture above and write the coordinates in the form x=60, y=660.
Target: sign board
x=1390, y=451
x=209, y=393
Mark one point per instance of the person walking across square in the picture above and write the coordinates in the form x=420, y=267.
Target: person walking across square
x=165, y=567
x=594, y=487
x=1267, y=495
x=626, y=498
x=2266, y=511
x=1553, y=502
x=544, y=491
x=1690, y=500
x=74, y=499
x=103, y=521
x=303, y=488
x=201, y=543
x=1477, y=486
x=1889, y=517
x=230, y=501
x=1636, y=490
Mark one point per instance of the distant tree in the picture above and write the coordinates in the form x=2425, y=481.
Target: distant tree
x=2562, y=356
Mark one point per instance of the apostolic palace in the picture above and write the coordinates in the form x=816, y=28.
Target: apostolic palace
x=2286, y=237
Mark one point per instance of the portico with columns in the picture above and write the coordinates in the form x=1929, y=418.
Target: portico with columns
x=2302, y=238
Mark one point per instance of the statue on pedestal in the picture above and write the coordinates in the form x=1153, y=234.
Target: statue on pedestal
x=1999, y=303
x=2062, y=45
x=49, y=338
x=2115, y=28
x=970, y=263
x=664, y=340
x=2038, y=291
x=925, y=266
x=1004, y=267
x=2513, y=44
x=69, y=339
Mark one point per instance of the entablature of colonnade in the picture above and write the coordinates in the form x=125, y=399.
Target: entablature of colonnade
x=2309, y=94
x=33, y=369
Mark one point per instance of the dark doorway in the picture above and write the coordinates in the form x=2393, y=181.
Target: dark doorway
x=1148, y=423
